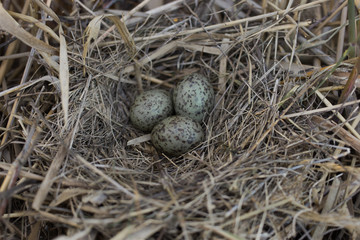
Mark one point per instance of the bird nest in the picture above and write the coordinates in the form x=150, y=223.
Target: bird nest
x=280, y=156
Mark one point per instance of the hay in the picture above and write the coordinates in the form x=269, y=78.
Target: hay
x=280, y=159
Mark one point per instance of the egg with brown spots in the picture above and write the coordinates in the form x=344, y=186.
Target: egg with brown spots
x=194, y=97
x=176, y=135
x=149, y=108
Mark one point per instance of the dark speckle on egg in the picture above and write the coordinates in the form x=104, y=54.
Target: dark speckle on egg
x=176, y=135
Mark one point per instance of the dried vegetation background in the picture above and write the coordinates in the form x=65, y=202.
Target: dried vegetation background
x=281, y=156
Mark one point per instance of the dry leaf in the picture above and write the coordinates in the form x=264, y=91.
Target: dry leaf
x=20, y=87
x=139, y=140
x=64, y=65
x=91, y=33
x=48, y=10
x=8, y=24
x=39, y=24
x=125, y=34
x=67, y=194
x=350, y=84
x=64, y=76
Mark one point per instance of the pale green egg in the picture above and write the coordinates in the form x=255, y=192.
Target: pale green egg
x=194, y=97
x=176, y=135
x=149, y=108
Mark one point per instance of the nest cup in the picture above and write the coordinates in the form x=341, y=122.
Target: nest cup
x=266, y=168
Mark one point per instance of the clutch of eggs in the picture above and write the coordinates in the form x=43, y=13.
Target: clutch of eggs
x=193, y=98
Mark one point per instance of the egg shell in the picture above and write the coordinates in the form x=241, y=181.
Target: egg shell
x=149, y=108
x=176, y=135
x=194, y=97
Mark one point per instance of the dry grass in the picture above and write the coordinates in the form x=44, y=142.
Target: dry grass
x=281, y=155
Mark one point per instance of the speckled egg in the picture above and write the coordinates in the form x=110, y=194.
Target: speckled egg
x=176, y=135
x=194, y=97
x=149, y=108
